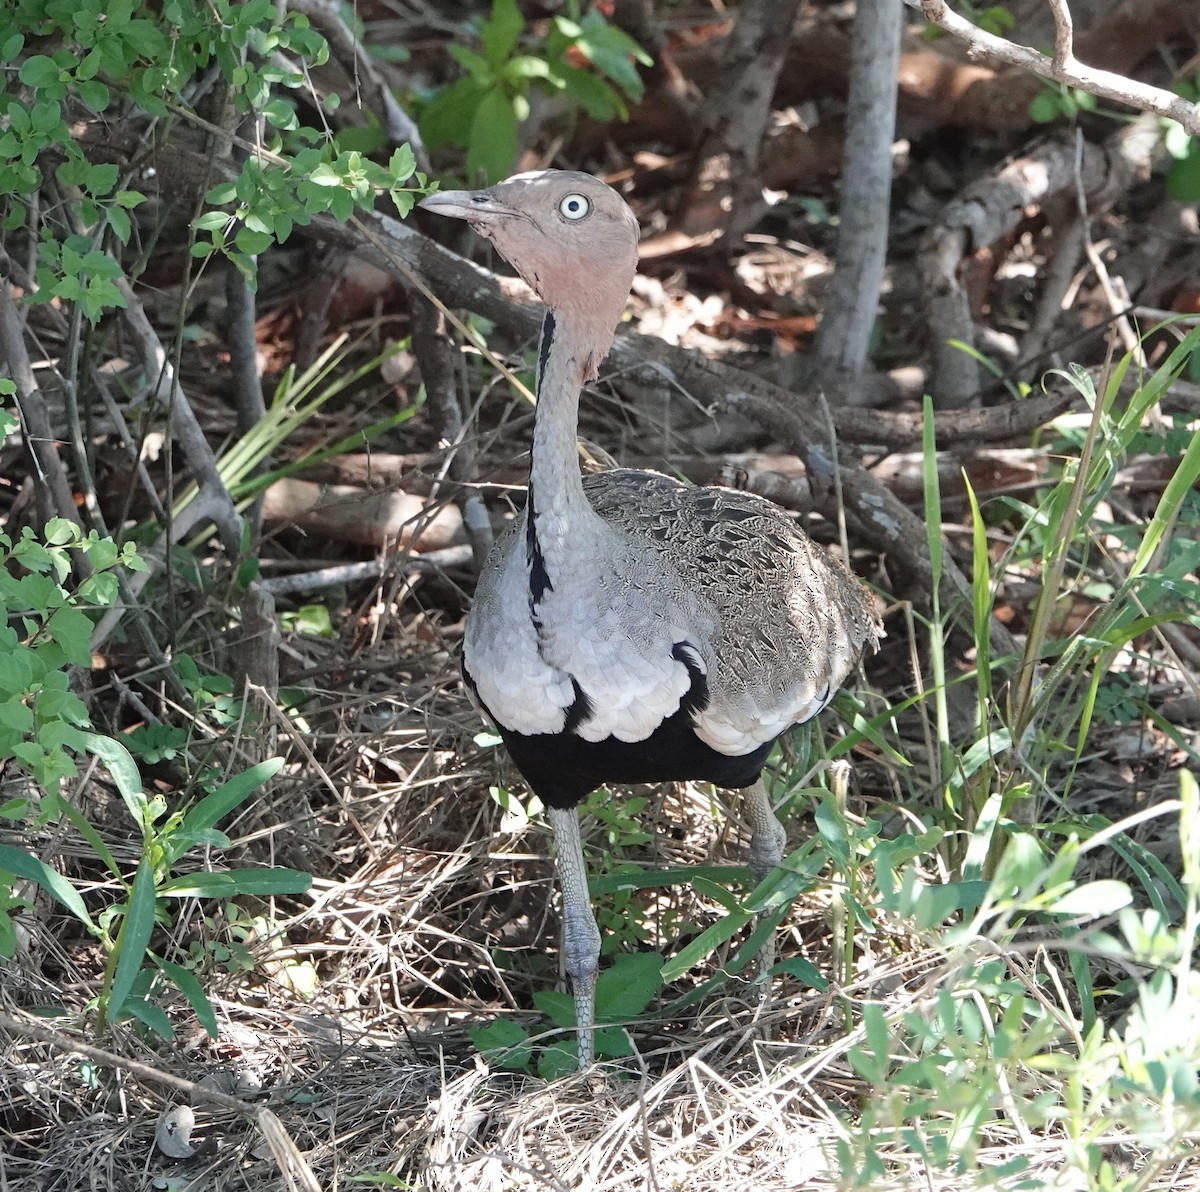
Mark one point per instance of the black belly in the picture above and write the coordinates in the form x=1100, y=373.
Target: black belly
x=562, y=768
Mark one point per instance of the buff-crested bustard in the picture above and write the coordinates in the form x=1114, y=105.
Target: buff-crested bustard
x=628, y=628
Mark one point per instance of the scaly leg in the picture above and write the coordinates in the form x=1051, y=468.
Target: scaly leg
x=580, y=935
x=767, y=839
x=767, y=836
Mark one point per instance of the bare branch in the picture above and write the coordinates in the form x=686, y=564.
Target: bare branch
x=53, y=489
x=1064, y=67
x=1064, y=34
x=161, y=376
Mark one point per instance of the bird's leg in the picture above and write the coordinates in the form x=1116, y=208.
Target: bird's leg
x=767, y=836
x=767, y=839
x=580, y=935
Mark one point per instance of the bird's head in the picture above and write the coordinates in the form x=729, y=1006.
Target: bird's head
x=570, y=236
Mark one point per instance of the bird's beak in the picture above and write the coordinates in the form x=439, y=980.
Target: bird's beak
x=465, y=204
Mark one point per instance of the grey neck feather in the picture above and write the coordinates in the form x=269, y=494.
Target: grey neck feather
x=558, y=511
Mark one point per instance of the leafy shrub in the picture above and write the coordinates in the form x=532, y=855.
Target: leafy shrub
x=44, y=727
x=480, y=112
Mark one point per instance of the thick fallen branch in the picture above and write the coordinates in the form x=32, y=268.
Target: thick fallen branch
x=345, y=513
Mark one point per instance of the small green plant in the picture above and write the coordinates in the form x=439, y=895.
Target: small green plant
x=124, y=57
x=44, y=727
x=133, y=970
x=999, y=1040
x=481, y=111
x=44, y=631
x=1017, y=1031
x=1058, y=101
x=630, y=981
x=623, y=991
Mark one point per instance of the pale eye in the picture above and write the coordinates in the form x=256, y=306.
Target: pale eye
x=574, y=207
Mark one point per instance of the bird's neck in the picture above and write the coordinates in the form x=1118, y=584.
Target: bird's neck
x=558, y=509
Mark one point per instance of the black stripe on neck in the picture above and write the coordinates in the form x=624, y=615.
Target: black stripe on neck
x=539, y=578
x=544, y=347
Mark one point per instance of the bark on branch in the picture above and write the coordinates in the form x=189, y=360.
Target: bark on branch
x=1063, y=67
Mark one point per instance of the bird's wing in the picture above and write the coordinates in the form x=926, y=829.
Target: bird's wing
x=789, y=621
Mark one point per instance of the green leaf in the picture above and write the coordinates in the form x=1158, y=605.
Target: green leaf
x=503, y=1044
x=526, y=67
x=94, y=95
x=492, y=147
x=120, y=223
x=11, y=47
x=501, y=30
x=447, y=119
x=1045, y=108
x=803, y=970
x=612, y=1042
x=1020, y=864
x=60, y=531
x=558, y=1007
x=251, y=242
x=199, y=885
x=188, y=984
x=39, y=72
x=1094, y=899
x=228, y=883
x=597, y=98
x=123, y=769
x=211, y=221
x=134, y=937
x=101, y=179
x=402, y=164
x=150, y=1015
x=73, y=632
x=613, y=53
x=21, y=864
x=267, y=881
x=221, y=194
x=558, y=1060
x=628, y=986
x=704, y=944
x=213, y=808
x=16, y=715
x=326, y=175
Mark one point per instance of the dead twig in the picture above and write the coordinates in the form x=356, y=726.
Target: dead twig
x=1063, y=67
